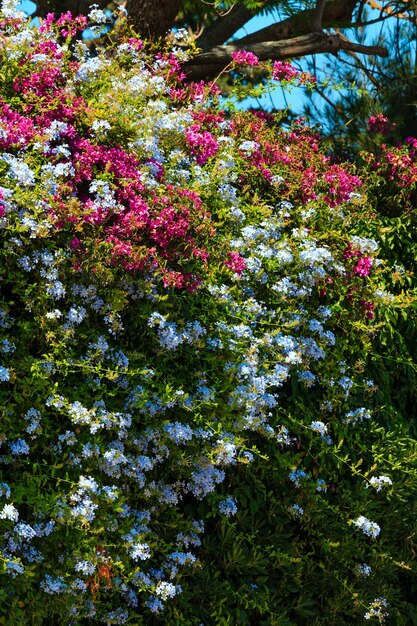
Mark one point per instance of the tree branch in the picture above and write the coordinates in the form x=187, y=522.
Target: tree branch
x=317, y=17
x=209, y=64
x=362, y=66
x=334, y=13
x=77, y=7
x=224, y=28
x=152, y=18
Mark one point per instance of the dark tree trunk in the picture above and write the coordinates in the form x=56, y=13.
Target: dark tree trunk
x=77, y=7
x=152, y=18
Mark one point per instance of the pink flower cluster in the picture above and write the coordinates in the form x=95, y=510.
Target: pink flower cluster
x=148, y=230
x=15, y=130
x=368, y=307
x=284, y=71
x=380, y=124
x=202, y=143
x=296, y=157
x=235, y=262
x=362, y=267
x=364, y=264
x=68, y=23
x=342, y=185
x=241, y=57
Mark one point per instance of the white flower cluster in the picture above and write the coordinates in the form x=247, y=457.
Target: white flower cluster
x=380, y=482
x=369, y=528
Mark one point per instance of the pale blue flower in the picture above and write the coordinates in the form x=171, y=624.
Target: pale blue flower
x=19, y=447
x=228, y=507
x=297, y=511
x=367, y=526
x=296, y=476
x=363, y=570
x=7, y=347
x=9, y=8
x=377, y=609
x=154, y=604
x=25, y=531
x=166, y=590
x=85, y=567
x=204, y=480
x=180, y=433
x=96, y=15
x=19, y=171
x=5, y=490
x=14, y=568
x=185, y=558
x=357, y=415
x=379, y=482
x=321, y=485
x=4, y=374
x=226, y=453
x=9, y=512
x=118, y=616
x=319, y=427
x=53, y=585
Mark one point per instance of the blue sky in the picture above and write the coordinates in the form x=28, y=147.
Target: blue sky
x=27, y=6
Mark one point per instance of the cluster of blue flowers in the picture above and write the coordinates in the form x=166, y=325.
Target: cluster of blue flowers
x=369, y=528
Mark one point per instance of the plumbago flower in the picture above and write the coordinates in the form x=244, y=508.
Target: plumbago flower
x=180, y=291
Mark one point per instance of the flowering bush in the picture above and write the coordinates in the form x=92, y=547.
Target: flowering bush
x=390, y=174
x=185, y=317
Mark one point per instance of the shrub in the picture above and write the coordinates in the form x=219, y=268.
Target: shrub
x=185, y=320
